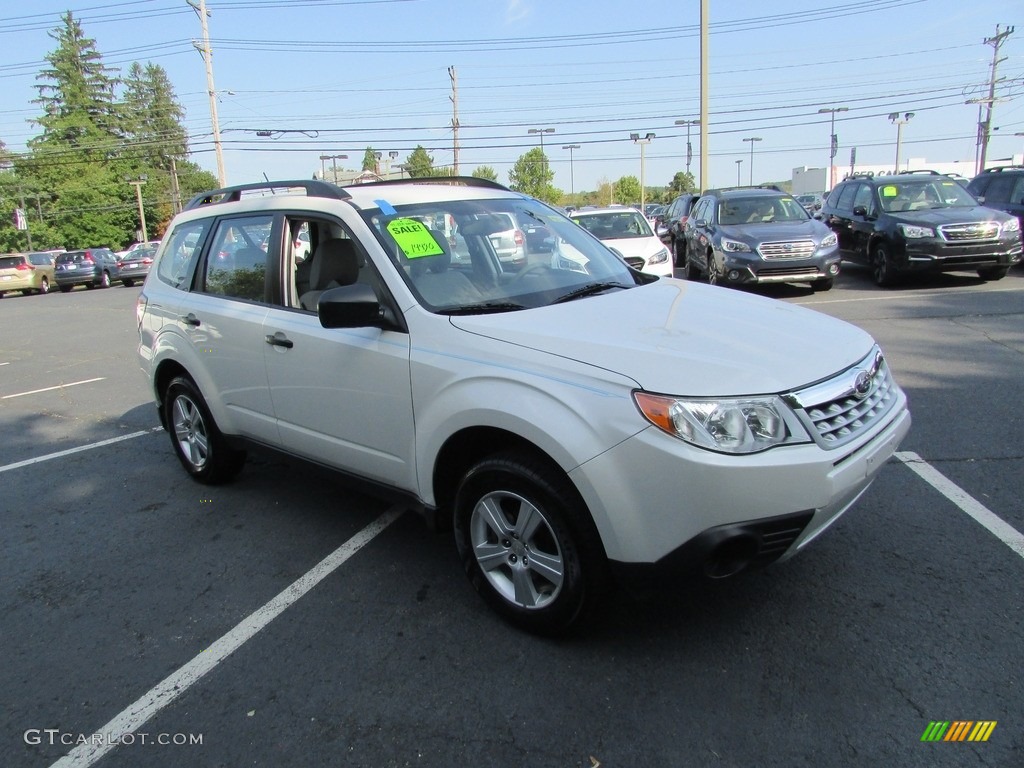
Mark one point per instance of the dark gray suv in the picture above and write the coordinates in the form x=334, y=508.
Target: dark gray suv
x=1001, y=188
x=758, y=235
x=92, y=267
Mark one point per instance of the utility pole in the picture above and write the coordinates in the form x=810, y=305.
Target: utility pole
x=455, y=116
x=705, y=118
x=137, y=183
x=986, y=126
x=207, y=54
x=175, y=188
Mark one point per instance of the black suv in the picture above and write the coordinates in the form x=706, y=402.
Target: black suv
x=919, y=222
x=673, y=219
x=1001, y=188
x=758, y=235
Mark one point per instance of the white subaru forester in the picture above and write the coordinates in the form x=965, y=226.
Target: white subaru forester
x=571, y=419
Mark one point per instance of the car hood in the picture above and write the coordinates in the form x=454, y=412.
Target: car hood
x=759, y=232
x=637, y=247
x=683, y=338
x=936, y=217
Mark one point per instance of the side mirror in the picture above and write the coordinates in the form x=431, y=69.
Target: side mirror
x=981, y=199
x=700, y=223
x=349, y=306
x=860, y=210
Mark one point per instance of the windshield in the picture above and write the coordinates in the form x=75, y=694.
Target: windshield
x=615, y=225
x=922, y=194
x=760, y=210
x=466, y=256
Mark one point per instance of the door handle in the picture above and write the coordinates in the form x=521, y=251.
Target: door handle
x=190, y=319
x=278, y=340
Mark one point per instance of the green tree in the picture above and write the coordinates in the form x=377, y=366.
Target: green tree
x=485, y=172
x=419, y=164
x=627, y=190
x=532, y=176
x=370, y=160
x=681, y=182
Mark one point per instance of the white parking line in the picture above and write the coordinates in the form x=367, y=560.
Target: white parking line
x=79, y=449
x=903, y=295
x=50, y=389
x=998, y=527
x=171, y=687
x=7, y=363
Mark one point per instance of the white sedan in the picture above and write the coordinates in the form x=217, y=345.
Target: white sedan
x=627, y=232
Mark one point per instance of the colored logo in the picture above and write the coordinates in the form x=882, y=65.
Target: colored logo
x=958, y=730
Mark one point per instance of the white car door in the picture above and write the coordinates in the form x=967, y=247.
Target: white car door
x=342, y=396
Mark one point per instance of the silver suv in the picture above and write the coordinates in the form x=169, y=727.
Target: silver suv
x=560, y=418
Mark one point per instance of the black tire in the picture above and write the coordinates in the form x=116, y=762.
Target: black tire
x=824, y=284
x=881, y=267
x=993, y=273
x=678, y=253
x=64, y=288
x=104, y=280
x=128, y=283
x=198, y=443
x=528, y=544
x=714, y=276
x=692, y=271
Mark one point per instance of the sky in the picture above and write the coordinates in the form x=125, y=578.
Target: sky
x=331, y=77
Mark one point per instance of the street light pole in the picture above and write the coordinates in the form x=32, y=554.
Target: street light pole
x=689, y=149
x=334, y=164
x=833, y=141
x=544, y=158
x=894, y=117
x=643, y=141
x=738, y=164
x=752, y=139
x=572, y=180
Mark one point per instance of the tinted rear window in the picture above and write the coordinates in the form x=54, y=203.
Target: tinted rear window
x=10, y=262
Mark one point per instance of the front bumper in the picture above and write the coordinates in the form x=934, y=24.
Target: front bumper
x=654, y=498
x=941, y=256
x=745, y=269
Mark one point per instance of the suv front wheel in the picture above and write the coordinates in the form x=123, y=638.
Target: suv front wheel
x=198, y=443
x=527, y=543
x=881, y=266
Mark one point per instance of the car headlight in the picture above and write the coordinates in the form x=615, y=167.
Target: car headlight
x=660, y=257
x=1011, y=226
x=828, y=241
x=734, y=246
x=912, y=231
x=730, y=425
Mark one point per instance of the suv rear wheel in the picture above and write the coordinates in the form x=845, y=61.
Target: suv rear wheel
x=197, y=441
x=527, y=543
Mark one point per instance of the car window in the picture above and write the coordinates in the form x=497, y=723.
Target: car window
x=863, y=197
x=236, y=263
x=618, y=225
x=999, y=189
x=1017, y=196
x=9, y=262
x=700, y=211
x=40, y=259
x=179, y=257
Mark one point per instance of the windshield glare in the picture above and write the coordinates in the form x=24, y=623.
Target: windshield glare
x=760, y=210
x=924, y=194
x=493, y=255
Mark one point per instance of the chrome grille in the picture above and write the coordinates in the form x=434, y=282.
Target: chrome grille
x=978, y=231
x=841, y=418
x=787, y=249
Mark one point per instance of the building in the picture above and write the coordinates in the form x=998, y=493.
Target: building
x=807, y=180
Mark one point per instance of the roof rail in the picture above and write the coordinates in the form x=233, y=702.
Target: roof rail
x=1001, y=168
x=462, y=181
x=920, y=170
x=234, y=194
x=719, y=190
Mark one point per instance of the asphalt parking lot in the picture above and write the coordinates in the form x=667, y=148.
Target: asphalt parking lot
x=287, y=620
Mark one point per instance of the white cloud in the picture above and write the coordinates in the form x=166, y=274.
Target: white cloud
x=517, y=10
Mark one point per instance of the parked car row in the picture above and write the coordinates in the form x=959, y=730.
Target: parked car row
x=38, y=272
x=898, y=224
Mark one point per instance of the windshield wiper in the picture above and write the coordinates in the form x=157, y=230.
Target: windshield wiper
x=588, y=290
x=483, y=308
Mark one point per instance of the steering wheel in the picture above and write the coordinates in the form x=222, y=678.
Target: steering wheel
x=531, y=269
